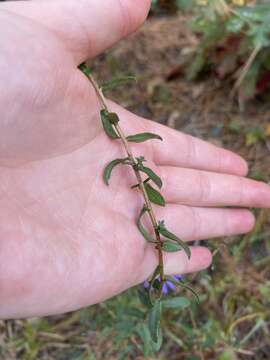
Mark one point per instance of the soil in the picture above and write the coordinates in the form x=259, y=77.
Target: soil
x=156, y=55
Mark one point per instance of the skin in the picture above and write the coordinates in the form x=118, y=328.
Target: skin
x=67, y=240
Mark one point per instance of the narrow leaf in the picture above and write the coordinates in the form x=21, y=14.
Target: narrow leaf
x=154, y=196
x=83, y=67
x=144, y=297
x=142, y=229
x=191, y=290
x=107, y=125
x=185, y=247
x=153, y=176
x=154, y=321
x=144, y=333
x=118, y=82
x=157, y=345
x=149, y=345
x=180, y=302
x=155, y=282
x=171, y=246
x=109, y=168
x=155, y=273
x=185, y=286
x=138, y=138
x=163, y=231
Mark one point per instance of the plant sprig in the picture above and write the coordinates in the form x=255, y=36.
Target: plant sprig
x=160, y=237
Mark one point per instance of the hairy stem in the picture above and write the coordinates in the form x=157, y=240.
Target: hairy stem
x=139, y=179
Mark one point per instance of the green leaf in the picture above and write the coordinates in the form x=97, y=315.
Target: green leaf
x=153, y=176
x=149, y=345
x=155, y=273
x=166, y=233
x=83, y=67
x=154, y=196
x=179, y=302
x=106, y=118
x=157, y=345
x=138, y=138
x=145, y=336
x=109, y=168
x=171, y=246
x=142, y=229
x=154, y=321
x=118, y=82
x=144, y=297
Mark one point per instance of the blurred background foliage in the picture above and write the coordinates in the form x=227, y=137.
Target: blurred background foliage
x=234, y=40
x=203, y=67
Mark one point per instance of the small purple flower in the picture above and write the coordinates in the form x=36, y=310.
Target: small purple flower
x=167, y=286
x=178, y=277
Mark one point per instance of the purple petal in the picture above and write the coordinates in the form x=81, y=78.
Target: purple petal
x=177, y=277
x=165, y=289
x=146, y=285
x=170, y=285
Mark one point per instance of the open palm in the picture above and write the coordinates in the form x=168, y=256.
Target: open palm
x=66, y=239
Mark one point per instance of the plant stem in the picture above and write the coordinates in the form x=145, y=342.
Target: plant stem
x=139, y=179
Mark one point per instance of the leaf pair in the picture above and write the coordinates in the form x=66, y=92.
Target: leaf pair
x=153, y=194
x=173, y=243
x=109, y=119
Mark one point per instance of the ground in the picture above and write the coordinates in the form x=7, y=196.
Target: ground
x=233, y=319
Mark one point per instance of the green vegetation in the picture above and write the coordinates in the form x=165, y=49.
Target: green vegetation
x=232, y=319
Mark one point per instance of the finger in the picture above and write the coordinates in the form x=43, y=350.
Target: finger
x=193, y=223
x=201, y=188
x=86, y=27
x=179, y=149
x=176, y=263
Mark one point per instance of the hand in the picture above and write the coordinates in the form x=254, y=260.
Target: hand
x=67, y=240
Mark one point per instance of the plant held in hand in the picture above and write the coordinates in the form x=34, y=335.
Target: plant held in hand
x=161, y=238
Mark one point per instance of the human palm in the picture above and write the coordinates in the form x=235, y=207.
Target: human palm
x=66, y=239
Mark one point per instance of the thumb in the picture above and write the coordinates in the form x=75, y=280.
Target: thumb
x=86, y=27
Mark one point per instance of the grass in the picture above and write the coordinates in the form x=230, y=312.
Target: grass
x=231, y=322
